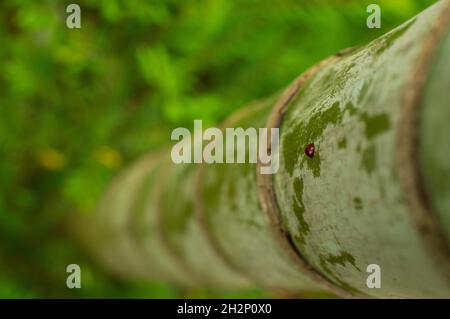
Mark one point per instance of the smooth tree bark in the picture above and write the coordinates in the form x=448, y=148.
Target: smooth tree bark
x=364, y=179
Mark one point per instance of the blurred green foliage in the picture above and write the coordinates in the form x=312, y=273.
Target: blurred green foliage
x=77, y=105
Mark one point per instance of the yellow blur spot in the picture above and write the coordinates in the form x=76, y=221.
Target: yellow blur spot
x=108, y=157
x=405, y=7
x=51, y=159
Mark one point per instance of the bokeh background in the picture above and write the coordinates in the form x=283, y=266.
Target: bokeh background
x=77, y=105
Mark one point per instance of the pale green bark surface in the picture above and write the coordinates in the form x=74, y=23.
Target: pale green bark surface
x=341, y=210
x=434, y=136
x=185, y=236
x=345, y=207
x=234, y=216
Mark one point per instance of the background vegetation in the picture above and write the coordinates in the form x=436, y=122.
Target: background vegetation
x=78, y=105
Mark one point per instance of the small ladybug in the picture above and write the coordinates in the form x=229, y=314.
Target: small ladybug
x=309, y=150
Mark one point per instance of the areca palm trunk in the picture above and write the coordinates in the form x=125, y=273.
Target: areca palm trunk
x=364, y=179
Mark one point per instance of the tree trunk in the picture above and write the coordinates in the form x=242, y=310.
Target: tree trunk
x=374, y=190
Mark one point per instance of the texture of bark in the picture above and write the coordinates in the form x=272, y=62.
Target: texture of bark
x=376, y=190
